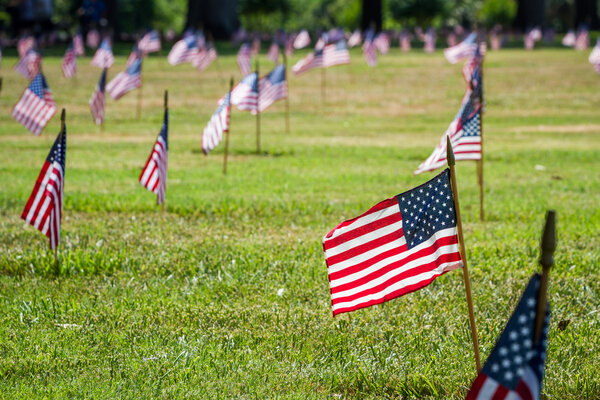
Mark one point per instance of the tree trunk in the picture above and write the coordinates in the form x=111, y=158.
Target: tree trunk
x=586, y=13
x=371, y=15
x=217, y=17
x=530, y=13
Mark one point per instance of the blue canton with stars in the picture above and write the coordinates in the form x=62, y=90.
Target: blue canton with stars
x=427, y=209
x=515, y=349
x=58, y=150
x=472, y=127
x=37, y=85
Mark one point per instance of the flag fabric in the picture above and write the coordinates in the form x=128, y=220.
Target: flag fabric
x=44, y=207
x=29, y=65
x=398, y=246
x=594, y=57
x=217, y=126
x=272, y=87
x=184, y=51
x=126, y=81
x=154, y=174
x=93, y=38
x=474, y=63
x=382, y=42
x=104, y=56
x=532, y=36
x=78, y=45
x=243, y=58
x=355, y=39
x=430, y=41
x=255, y=46
x=310, y=61
x=464, y=49
x=150, y=42
x=569, y=39
x=36, y=106
x=205, y=58
x=302, y=40
x=336, y=54
x=24, y=45
x=289, y=47
x=465, y=135
x=515, y=367
x=582, y=42
x=97, y=100
x=134, y=55
x=273, y=53
x=405, y=41
x=244, y=95
x=69, y=62
x=369, y=50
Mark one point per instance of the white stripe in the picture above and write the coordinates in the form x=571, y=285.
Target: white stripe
x=487, y=389
x=363, y=239
x=531, y=381
x=367, y=255
x=362, y=221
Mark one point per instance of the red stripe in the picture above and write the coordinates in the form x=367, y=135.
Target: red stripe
x=365, y=247
x=377, y=207
x=476, y=387
x=523, y=390
x=362, y=230
x=500, y=393
x=36, y=189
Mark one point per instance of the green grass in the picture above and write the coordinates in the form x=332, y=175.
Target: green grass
x=185, y=304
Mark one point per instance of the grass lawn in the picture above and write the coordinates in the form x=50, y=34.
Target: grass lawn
x=226, y=294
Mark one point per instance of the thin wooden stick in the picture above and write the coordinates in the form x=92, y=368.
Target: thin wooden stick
x=463, y=253
x=139, y=103
x=228, y=129
x=323, y=79
x=1, y=84
x=163, y=206
x=287, y=98
x=63, y=116
x=257, y=111
x=546, y=260
x=480, y=162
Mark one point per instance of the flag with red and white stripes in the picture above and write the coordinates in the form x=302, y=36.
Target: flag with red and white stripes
x=69, y=62
x=355, y=39
x=126, y=81
x=310, y=61
x=582, y=42
x=44, y=207
x=382, y=42
x=97, y=100
x=154, y=174
x=104, y=56
x=29, y=65
x=273, y=53
x=78, y=45
x=464, y=49
x=25, y=44
x=429, y=46
x=515, y=368
x=255, y=46
x=272, y=87
x=36, y=106
x=244, y=95
x=243, y=58
x=133, y=56
x=369, y=49
x=205, y=58
x=93, y=38
x=217, y=126
x=150, y=42
x=184, y=51
x=302, y=40
x=594, y=57
x=400, y=245
x=465, y=135
x=336, y=54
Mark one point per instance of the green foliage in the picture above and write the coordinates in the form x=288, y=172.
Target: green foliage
x=418, y=12
x=169, y=14
x=263, y=16
x=498, y=12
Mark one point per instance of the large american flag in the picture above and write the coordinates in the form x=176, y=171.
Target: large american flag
x=273, y=53
x=302, y=40
x=310, y=61
x=150, y=42
x=154, y=174
x=205, y=58
x=78, y=45
x=104, y=56
x=515, y=367
x=126, y=80
x=272, y=87
x=336, y=54
x=69, y=62
x=244, y=95
x=29, y=65
x=217, y=126
x=400, y=245
x=243, y=58
x=97, y=100
x=184, y=51
x=464, y=49
x=36, y=106
x=465, y=135
x=44, y=207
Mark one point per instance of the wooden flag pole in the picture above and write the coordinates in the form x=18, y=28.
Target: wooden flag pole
x=480, y=162
x=60, y=137
x=461, y=241
x=323, y=79
x=257, y=111
x=228, y=129
x=166, y=108
x=1, y=84
x=287, y=98
x=139, y=102
x=546, y=260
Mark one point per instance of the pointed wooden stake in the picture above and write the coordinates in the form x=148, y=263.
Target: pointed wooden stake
x=228, y=129
x=287, y=98
x=257, y=112
x=163, y=206
x=463, y=253
x=548, y=246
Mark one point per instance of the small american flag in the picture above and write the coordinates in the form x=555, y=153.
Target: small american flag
x=104, y=56
x=244, y=95
x=569, y=39
x=134, y=55
x=405, y=41
x=44, y=207
x=217, y=126
x=594, y=57
x=69, y=62
x=400, y=245
x=336, y=54
x=97, y=100
x=25, y=44
x=150, y=42
x=126, y=81
x=154, y=174
x=369, y=50
x=243, y=58
x=272, y=87
x=515, y=367
x=29, y=65
x=355, y=39
x=430, y=41
x=92, y=39
x=184, y=51
x=583, y=40
x=289, y=47
x=465, y=135
x=255, y=46
x=382, y=43
x=78, y=45
x=36, y=106
x=310, y=61
x=464, y=49
x=302, y=40
x=273, y=53
x=205, y=58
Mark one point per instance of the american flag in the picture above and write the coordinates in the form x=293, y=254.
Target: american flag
x=24, y=45
x=583, y=40
x=336, y=54
x=29, y=64
x=474, y=63
x=594, y=57
x=184, y=51
x=244, y=95
x=302, y=40
x=310, y=61
x=104, y=56
x=569, y=39
x=464, y=49
x=205, y=58
x=255, y=46
x=430, y=41
x=405, y=41
x=369, y=50
x=154, y=174
x=93, y=38
x=382, y=42
x=355, y=39
x=515, y=367
x=78, y=45
x=243, y=58
x=36, y=106
x=69, y=62
x=150, y=42
x=272, y=87
x=44, y=207
x=217, y=126
x=400, y=245
x=126, y=80
x=97, y=100
x=289, y=47
x=134, y=55
x=465, y=135
x=273, y=53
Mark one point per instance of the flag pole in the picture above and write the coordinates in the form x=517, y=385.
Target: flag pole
x=139, y=101
x=548, y=246
x=257, y=111
x=228, y=129
x=451, y=162
x=287, y=98
x=323, y=78
x=1, y=85
x=166, y=107
x=480, y=161
x=60, y=137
